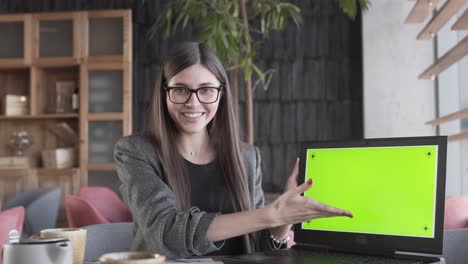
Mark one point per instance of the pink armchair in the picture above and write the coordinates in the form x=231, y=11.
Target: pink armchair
x=456, y=212
x=107, y=203
x=10, y=219
x=80, y=213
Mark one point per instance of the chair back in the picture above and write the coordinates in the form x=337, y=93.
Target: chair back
x=456, y=212
x=80, y=213
x=106, y=238
x=107, y=203
x=10, y=219
x=23, y=198
x=42, y=206
x=455, y=246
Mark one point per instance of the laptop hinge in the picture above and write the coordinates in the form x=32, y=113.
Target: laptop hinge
x=421, y=256
x=398, y=254
x=308, y=246
x=327, y=248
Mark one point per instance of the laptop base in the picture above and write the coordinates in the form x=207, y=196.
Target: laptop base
x=298, y=256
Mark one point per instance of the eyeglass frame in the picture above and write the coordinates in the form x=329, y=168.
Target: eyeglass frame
x=192, y=91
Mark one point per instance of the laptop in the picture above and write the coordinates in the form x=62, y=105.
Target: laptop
x=395, y=188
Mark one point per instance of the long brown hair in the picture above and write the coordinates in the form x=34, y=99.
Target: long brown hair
x=223, y=130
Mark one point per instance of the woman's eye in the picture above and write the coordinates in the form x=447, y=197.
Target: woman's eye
x=179, y=90
x=207, y=90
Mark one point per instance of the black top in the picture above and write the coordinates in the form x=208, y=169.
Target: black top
x=209, y=193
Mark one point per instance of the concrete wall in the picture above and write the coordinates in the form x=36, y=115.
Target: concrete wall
x=396, y=103
x=453, y=96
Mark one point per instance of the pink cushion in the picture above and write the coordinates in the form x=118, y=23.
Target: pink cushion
x=107, y=203
x=80, y=213
x=456, y=212
x=10, y=219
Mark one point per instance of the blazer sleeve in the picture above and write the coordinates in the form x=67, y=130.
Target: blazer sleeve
x=263, y=241
x=259, y=197
x=166, y=229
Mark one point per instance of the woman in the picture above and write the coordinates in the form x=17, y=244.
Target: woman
x=192, y=186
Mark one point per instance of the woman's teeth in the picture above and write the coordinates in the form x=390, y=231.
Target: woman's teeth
x=192, y=115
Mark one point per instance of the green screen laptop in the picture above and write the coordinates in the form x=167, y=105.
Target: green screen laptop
x=395, y=188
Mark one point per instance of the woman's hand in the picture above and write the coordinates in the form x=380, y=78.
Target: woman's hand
x=292, y=208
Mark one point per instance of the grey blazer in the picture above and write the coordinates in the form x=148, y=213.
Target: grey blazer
x=159, y=225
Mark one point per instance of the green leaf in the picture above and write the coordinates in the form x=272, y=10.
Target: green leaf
x=258, y=72
x=264, y=79
x=269, y=77
x=365, y=4
x=350, y=7
x=186, y=20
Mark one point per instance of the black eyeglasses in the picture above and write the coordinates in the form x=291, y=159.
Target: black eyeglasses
x=181, y=94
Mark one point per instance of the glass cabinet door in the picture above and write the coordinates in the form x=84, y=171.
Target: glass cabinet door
x=108, y=36
x=12, y=43
x=102, y=137
x=55, y=38
x=59, y=38
x=105, y=90
x=105, y=36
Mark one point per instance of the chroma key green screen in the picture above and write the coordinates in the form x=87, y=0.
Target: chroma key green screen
x=389, y=190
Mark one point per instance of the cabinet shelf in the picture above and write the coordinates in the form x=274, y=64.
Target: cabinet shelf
x=56, y=62
x=449, y=58
x=111, y=59
x=421, y=11
x=45, y=116
x=462, y=22
x=101, y=167
x=105, y=116
x=13, y=64
x=54, y=170
x=449, y=9
x=450, y=117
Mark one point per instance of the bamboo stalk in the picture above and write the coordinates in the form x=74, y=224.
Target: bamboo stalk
x=249, y=132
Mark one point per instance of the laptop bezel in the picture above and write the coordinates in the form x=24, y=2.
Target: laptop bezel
x=372, y=243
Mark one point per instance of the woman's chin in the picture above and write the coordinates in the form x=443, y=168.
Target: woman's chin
x=192, y=129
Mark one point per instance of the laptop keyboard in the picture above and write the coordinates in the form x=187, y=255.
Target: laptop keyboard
x=335, y=257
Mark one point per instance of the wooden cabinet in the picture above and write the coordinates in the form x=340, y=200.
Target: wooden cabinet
x=14, y=181
x=39, y=54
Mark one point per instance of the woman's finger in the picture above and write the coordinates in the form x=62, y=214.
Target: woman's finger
x=295, y=170
x=327, y=209
x=292, y=179
x=344, y=213
x=304, y=187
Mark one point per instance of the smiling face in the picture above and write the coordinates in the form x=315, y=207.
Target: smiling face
x=193, y=117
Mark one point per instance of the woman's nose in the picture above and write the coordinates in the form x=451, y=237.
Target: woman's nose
x=193, y=100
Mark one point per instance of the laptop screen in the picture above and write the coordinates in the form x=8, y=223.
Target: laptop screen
x=378, y=185
x=395, y=188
